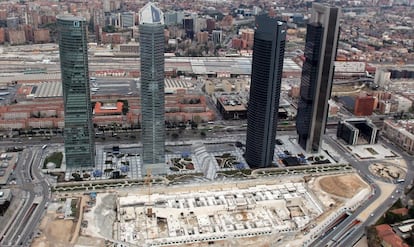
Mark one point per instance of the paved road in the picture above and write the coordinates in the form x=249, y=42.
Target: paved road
x=22, y=232
x=340, y=236
x=30, y=180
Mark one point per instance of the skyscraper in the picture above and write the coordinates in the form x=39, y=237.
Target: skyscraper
x=151, y=33
x=78, y=131
x=268, y=52
x=317, y=75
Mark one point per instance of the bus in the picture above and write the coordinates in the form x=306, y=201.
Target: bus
x=44, y=146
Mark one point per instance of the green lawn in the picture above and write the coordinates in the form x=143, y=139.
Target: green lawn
x=56, y=158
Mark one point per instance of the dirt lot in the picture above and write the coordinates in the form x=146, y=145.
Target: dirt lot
x=55, y=232
x=342, y=185
x=63, y=233
x=387, y=171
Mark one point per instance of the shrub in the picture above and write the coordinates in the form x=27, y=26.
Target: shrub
x=56, y=158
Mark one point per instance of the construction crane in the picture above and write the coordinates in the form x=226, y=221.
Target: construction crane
x=148, y=181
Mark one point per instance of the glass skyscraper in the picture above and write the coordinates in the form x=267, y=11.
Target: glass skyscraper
x=267, y=65
x=317, y=75
x=78, y=130
x=151, y=34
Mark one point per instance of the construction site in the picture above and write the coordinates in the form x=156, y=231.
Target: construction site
x=232, y=213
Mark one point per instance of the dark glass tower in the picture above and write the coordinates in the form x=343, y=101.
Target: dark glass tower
x=317, y=75
x=151, y=33
x=268, y=52
x=78, y=131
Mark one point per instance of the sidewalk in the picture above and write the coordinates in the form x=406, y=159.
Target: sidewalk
x=386, y=191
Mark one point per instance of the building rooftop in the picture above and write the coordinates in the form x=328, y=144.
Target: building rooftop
x=232, y=102
x=69, y=17
x=151, y=14
x=30, y=77
x=386, y=233
x=47, y=90
x=108, y=108
x=171, y=85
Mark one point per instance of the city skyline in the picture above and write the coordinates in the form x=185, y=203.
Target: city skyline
x=192, y=122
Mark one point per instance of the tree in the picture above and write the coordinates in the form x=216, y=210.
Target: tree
x=125, y=107
x=109, y=29
x=411, y=212
x=76, y=176
x=398, y=204
x=391, y=218
x=194, y=125
x=174, y=135
x=372, y=236
x=410, y=240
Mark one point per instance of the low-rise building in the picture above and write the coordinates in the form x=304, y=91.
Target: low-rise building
x=387, y=106
x=357, y=131
x=182, y=107
x=404, y=104
x=231, y=105
x=132, y=48
x=105, y=108
x=401, y=133
x=41, y=36
x=389, y=237
x=17, y=37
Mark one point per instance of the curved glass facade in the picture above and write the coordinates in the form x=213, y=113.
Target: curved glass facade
x=78, y=130
x=268, y=52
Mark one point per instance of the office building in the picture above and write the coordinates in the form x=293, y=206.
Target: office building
x=188, y=26
x=217, y=37
x=211, y=25
x=78, y=131
x=364, y=105
x=357, y=131
x=151, y=33
x=202, y=37
x=170, y=18
x=128, y=19
x=317, y=74
x=268, y=52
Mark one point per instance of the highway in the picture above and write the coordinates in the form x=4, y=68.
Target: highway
x=29, y=179
x=345, y=233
